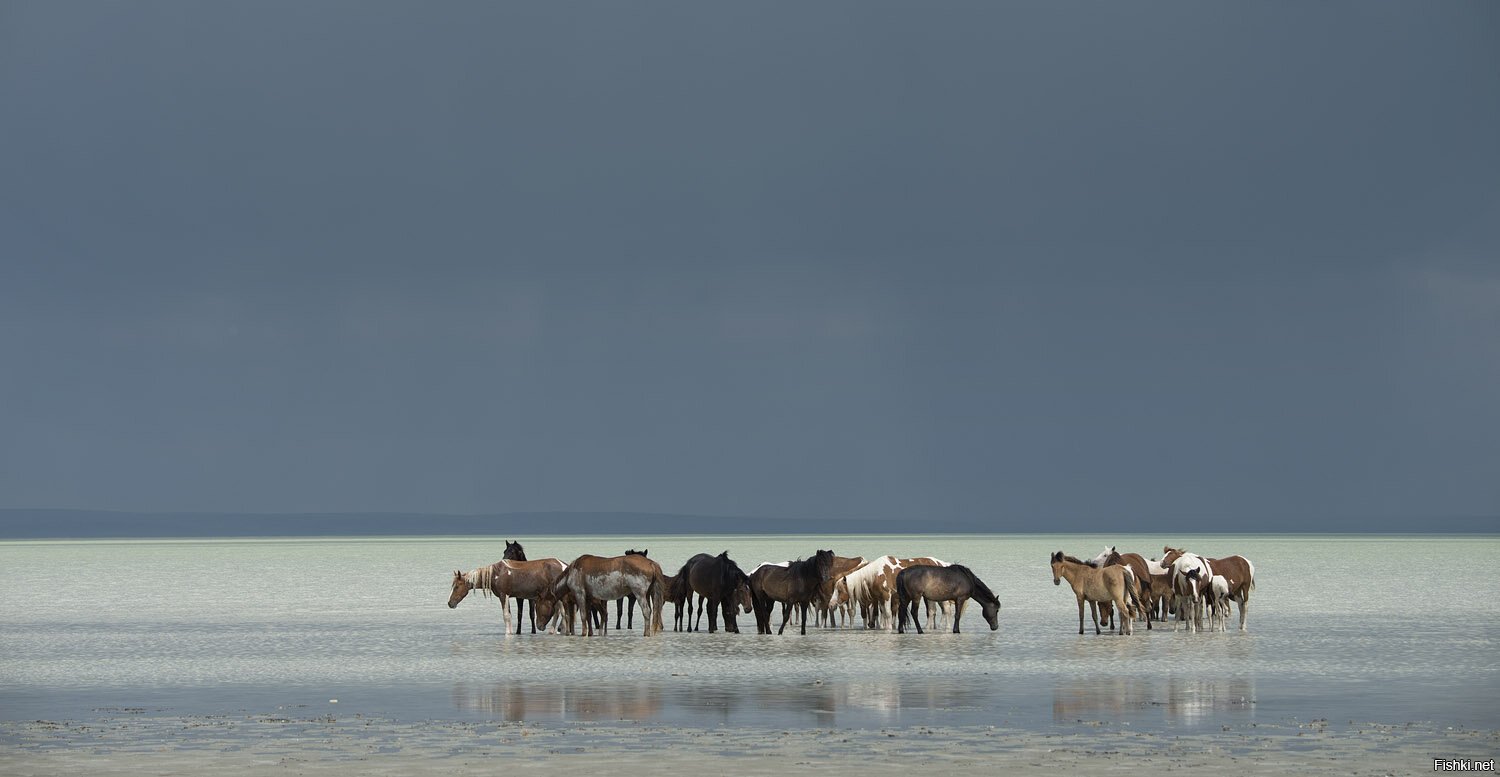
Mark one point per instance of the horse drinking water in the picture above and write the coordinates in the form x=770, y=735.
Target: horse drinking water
x=954, y=583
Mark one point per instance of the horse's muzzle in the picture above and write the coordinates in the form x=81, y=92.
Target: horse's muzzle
x=452, y=605
x=1055, y=581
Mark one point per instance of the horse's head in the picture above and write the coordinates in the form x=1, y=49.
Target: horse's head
x=514, y=551
x=840, y=593
x=1057, y=560
x=461, y=588
x=991, y=612
x=742, y=595
x=1171, y=554
x=634, y=552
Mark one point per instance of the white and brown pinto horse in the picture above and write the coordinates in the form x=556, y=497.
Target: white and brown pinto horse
x=597, y=578
x=1190, y=575
x=524, y=580
x=1098, y=585
x=1237, y=570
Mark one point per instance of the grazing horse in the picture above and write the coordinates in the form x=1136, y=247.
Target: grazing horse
x=598, y=578
x=1095, y=584
x=620, y=603
x=1237, y=571
x=796, y=584
x=720, y=583
x=924, y=561
x=521, y=579
x=954, y=583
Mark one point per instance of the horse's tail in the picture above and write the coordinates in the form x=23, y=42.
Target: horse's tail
x=656, y=595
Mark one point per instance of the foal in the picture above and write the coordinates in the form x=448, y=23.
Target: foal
x=1101, y=585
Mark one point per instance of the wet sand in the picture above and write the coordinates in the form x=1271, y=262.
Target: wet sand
x=137, y=742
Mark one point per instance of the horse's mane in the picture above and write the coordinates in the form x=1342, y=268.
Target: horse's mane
x=1076, y=560
x=976, y=582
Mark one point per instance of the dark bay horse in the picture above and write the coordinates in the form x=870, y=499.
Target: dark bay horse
x=955, y=583
x=620, y=603
x=796, y=584
x=721, y=584
x=598, y=578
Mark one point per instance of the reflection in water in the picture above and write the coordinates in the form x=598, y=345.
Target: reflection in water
x=1182, y=700
x=816, y=703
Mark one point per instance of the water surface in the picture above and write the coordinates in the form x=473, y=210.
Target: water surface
x=1341, y=628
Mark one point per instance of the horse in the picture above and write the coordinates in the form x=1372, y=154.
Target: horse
x=954, y=583
x=1237, y=571
x=560, y=594
x=826, y=610
x=721, y=584
x=620, y=603
x=869, y=588
x=596, y=577
x=1190, y=574
x=681, y=598
x=521, y=579
x=1143, y=580
x=514, y=552
x=797, y=583
x=1096, y=584
x=933, y=607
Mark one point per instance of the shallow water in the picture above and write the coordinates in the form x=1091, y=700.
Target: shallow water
x=1341, y=628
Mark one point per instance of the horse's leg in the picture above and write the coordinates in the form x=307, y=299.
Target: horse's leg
x=915, y=615
x=619, y=611
x=730, y=608
x=630, y=612
x=802, y=610
x=713, y=615
x=698, y=619
x=1080, y=614
x=521, y=614
x=786, y=615
x=958, y=611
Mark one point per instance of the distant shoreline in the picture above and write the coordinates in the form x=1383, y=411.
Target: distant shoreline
x=49, y=524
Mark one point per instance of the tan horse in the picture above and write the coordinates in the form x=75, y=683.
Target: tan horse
x=1237, y=571
x=1100, y=585
x=525, y=580
x=599, y=578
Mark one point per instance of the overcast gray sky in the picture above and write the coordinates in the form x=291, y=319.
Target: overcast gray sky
x=944, y=260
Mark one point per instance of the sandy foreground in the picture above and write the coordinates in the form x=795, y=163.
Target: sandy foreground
x=130, y=743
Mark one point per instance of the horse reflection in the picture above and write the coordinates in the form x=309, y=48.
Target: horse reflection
x=1179, y=700
x=516, y=702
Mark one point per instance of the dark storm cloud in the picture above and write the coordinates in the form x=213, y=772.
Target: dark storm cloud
x=958, y=261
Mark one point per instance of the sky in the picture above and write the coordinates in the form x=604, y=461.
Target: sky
x=948, y=261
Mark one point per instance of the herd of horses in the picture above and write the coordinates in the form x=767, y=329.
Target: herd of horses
x=828, y=590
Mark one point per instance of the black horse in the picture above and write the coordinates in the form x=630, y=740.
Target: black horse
x=954, y=583
x=796, y=584
x=514, y=552
x=620, y=603
x=720, y=583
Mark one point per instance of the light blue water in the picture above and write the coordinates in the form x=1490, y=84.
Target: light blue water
x=1370, y=629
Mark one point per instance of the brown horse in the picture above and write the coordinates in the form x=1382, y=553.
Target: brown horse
x=620, y=604
x=521, y=579
x=721, y=584
x=1095, y=584
x=953, y=583
x=795, y=584
x=823, y=603
x=597, y=577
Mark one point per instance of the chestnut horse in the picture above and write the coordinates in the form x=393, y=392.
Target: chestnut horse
x=953, y=583
x=596, y=577
x=521, y=579
x=796, y=584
